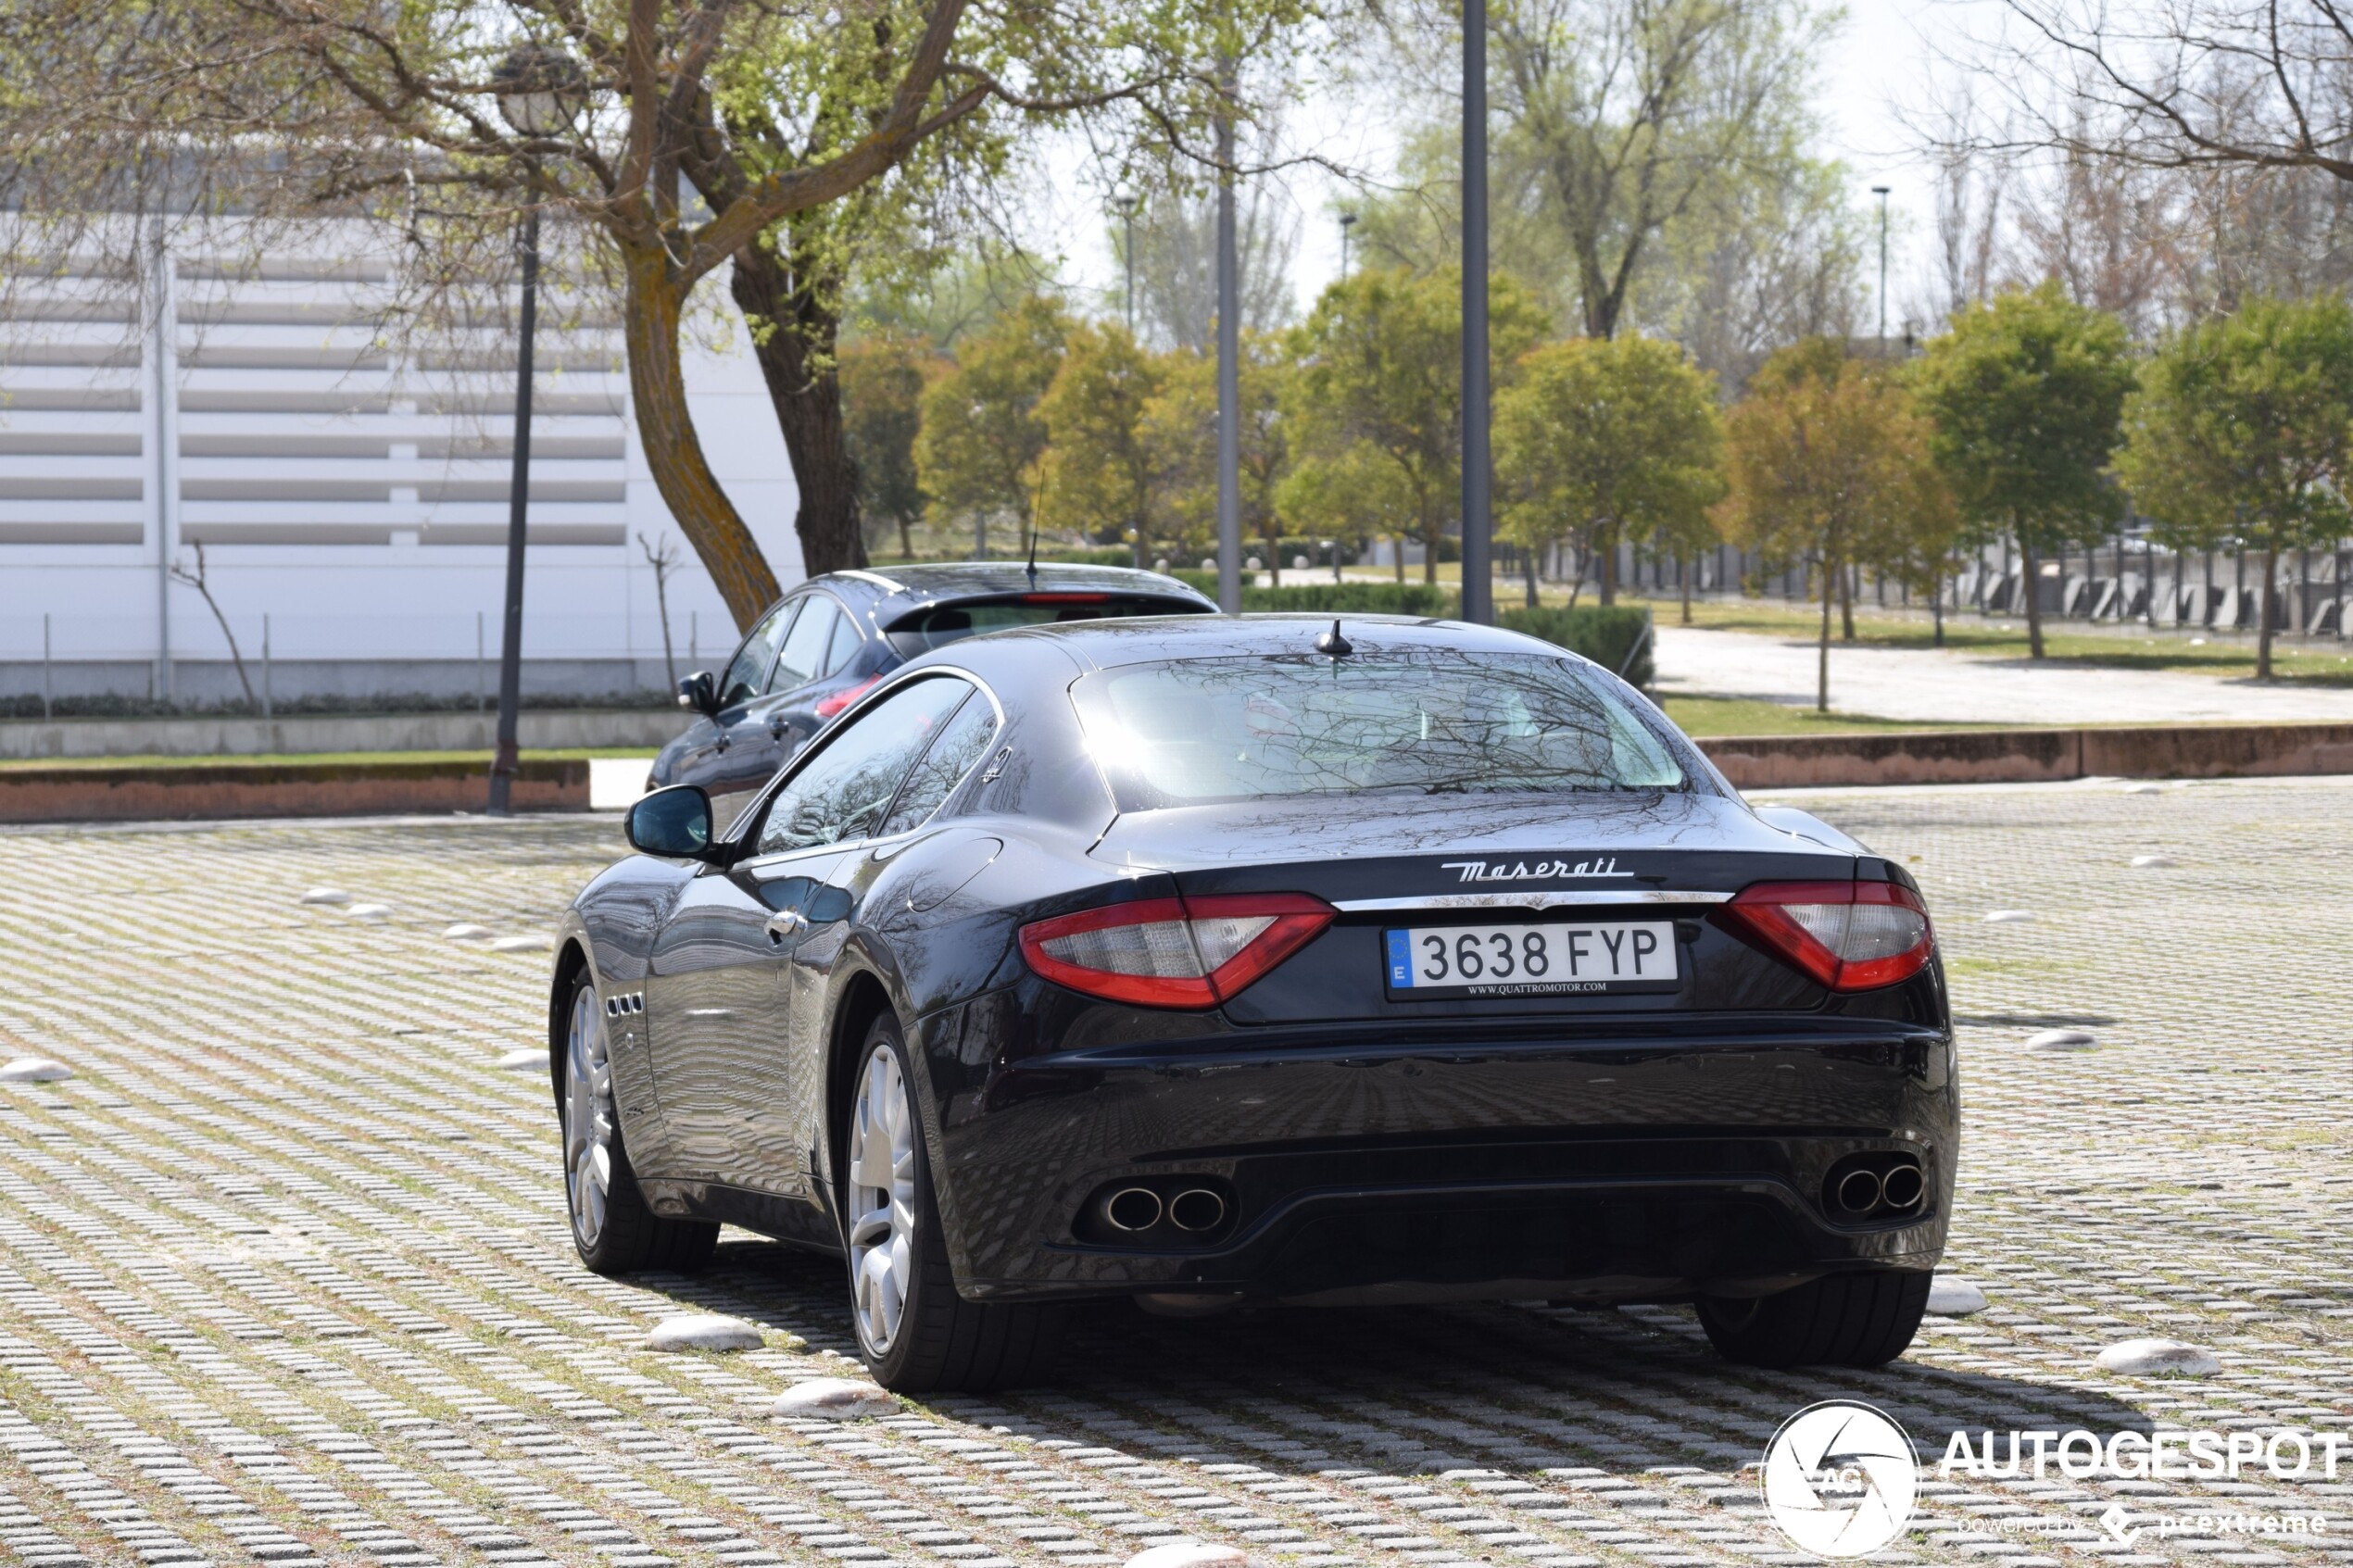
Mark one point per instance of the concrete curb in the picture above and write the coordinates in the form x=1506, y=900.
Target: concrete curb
x=289, y=789
x=2174, y=751
x=548, y=729
x=278, y=789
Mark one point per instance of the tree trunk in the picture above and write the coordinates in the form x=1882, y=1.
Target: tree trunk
x=2031, y=574
x=1846, y=603
x=658, y=395
x=1685, y=571
x=793, y=335
x=2262, y=616
x=1608, y=552
x=1822, y=657
x=1401, y=557
x=1528, y=570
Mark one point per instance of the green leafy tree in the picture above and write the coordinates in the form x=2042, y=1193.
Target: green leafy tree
x=1828, y=464
x=1180, y=435
x=1604, y=440
x=1095, y=473
x=982, y=433
x=779, y=147
x=2243, y=426
x=2027, y=397
x=882, y=390
x=1377, y=388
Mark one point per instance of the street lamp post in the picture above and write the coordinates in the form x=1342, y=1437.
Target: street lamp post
x=1127, y=201
x=539, y=90
x=1478, y=590
x=1880, y=192
x=1229, y=429
x=1347, y=221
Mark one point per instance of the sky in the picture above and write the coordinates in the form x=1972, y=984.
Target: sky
x=1884, y=57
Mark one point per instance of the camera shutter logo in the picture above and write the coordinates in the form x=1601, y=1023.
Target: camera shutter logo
x=1840, y=1479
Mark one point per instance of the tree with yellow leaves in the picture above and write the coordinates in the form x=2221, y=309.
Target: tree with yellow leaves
x=1828, y=464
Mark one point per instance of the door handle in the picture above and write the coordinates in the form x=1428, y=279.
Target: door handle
x=784, y=925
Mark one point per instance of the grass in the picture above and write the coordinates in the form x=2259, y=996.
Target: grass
x=2322, y=661
x=1698, y=716
x=305, y=758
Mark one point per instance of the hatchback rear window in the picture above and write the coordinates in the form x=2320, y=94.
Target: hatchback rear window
x=1413, y=721
x=929, y=629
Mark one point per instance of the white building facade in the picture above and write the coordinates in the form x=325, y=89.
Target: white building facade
x=351, y=503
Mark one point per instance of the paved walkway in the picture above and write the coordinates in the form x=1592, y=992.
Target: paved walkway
x=1953, y=687
x=285, y=1277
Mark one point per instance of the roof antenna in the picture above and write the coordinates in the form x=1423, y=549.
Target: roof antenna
x=1332, y=644
x=1033, y=548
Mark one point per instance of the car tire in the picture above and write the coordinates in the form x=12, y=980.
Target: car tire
x=915, y=1333
x=613, y=1228
x=1855, y=1320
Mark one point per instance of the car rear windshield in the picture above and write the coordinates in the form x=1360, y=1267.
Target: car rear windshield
x=1417, y=720
x=928, y=629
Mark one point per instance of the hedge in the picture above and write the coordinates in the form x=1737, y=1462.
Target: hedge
x=1605, y=633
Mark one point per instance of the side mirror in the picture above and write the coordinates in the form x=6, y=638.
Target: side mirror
x=700, y=693
x=674, y=823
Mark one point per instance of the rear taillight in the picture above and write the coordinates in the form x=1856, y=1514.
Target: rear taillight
x=1847, y=935
x=1174, y=952
x=844, y=698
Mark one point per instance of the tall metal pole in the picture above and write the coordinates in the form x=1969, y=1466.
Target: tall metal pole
x=1230, y=413
x=1880, y=192
x=1127, y=216
x=502, y=767
x=1478, y=585
x=1347, y=222
x=163, y=344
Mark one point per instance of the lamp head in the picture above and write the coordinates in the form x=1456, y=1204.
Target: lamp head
x=541, y=90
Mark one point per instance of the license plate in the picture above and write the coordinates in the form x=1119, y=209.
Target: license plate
x=1553, y=959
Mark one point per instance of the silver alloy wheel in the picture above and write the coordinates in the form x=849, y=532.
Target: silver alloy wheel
x=882, y=1200
x=588, y=1118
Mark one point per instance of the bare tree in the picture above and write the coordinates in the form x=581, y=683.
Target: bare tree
x=664, y=558
x=1971, y=181
x=195, y=578
x=1629, y=113
x=1176, y=263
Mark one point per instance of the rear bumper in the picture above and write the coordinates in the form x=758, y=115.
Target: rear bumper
x=1654, y=1166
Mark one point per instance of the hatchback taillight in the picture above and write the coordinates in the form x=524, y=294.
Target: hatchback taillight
x=830, y=705
x=1174, y=952
x=1847, y=935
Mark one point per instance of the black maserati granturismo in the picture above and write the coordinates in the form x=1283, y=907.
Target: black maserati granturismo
x=1222, y=961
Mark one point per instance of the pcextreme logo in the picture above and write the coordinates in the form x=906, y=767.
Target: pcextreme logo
x=1840, y=1479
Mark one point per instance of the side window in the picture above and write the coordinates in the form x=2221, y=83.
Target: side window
x=961, y=744
x=845, y=643
x=745, y=674
x=804, y=652
x=841, y=793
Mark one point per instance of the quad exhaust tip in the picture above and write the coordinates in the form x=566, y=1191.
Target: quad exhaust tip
x=1133, y=1209
x=1197, y=1208
x=1859, y=1191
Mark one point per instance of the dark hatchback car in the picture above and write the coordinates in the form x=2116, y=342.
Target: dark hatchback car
x=829, y=640
x=1214, y=961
